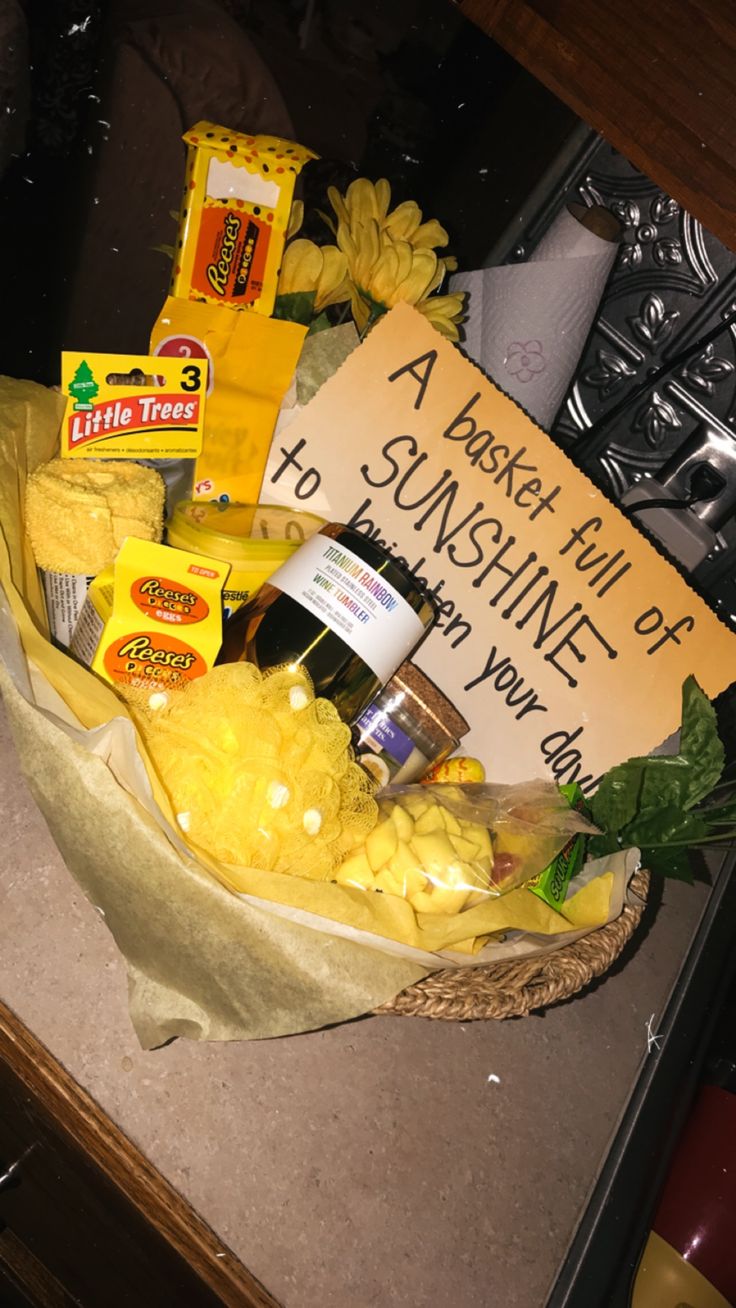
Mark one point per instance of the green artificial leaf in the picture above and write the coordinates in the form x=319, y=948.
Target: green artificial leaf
x=295, y=306
x=616, y=800
x=700, y=743
x=650, y=802
x=720, y=814
x=665, y=780
x=319, y=324
x=599, y=846
x=376, y=308
x=640, y=783
x=664, y=825
x=673, y=863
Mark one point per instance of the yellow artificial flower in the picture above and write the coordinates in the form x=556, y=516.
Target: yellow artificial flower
x=402, y=273
x=385, y=272
x=365, y=201
x=405, y=223
x=333, y=286
x=445, y=312
x=296, y=218
x=300, y=267
x=319, y=268
x=362, y=201
x=391, y=256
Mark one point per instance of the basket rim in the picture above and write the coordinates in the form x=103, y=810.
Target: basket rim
x=517, y=987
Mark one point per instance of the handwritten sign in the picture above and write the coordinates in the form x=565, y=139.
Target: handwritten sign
x=564, y=636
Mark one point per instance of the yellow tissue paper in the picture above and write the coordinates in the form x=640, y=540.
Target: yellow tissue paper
x=202, y=963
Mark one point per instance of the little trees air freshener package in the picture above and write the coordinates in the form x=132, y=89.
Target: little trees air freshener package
x=237, y=199
x=128, y=406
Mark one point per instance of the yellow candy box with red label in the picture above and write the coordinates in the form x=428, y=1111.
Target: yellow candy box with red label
x=130, y=406
x=238, y=191
x=152, y=621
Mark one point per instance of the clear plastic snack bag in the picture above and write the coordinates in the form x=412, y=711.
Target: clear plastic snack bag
x=446, y=848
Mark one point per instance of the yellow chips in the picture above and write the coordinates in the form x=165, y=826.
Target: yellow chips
x=422, y=852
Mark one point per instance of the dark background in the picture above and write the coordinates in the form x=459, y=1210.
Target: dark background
x=95, y=104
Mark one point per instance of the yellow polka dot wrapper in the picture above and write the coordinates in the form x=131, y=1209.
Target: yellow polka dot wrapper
x=235, y=211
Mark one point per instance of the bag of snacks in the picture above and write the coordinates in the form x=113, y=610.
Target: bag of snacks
x=446, y=848
x=250, y=363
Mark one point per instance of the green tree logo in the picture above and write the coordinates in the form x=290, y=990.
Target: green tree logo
x=83, y=387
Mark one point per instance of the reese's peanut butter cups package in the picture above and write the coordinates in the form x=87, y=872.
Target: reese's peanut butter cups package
x=238, y=191
x=153, y=621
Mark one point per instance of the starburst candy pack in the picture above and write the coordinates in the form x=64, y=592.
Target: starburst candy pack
x=250, y=361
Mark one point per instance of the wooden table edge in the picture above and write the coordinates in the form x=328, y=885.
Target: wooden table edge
x=77, y=1116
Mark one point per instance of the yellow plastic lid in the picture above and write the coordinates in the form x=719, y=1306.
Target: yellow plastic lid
x=255, y=534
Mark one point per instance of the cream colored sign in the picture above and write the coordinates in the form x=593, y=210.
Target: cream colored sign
x=565, y=636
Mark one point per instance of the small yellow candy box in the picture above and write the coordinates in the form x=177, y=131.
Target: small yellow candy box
x=130, y=406
x=152, y=621
x=237, y=199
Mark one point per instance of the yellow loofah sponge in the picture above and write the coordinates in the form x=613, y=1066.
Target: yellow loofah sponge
x=260, y=773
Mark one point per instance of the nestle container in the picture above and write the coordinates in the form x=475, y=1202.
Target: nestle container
x=255, y=539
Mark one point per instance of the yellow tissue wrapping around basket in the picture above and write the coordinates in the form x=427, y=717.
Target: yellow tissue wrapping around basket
x=590, y=903
x=251, y=363
x=259, y=772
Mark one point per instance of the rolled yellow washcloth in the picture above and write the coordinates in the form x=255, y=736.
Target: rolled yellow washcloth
x=78, y=513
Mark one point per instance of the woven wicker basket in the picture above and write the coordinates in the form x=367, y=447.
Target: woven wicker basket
x=468, y=994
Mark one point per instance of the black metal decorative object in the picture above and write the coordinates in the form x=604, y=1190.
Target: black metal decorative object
x=673, y=283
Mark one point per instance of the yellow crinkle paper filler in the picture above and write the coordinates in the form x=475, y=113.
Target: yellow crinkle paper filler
x=259, y=772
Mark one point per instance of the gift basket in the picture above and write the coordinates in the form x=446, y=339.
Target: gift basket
x=215, y=697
